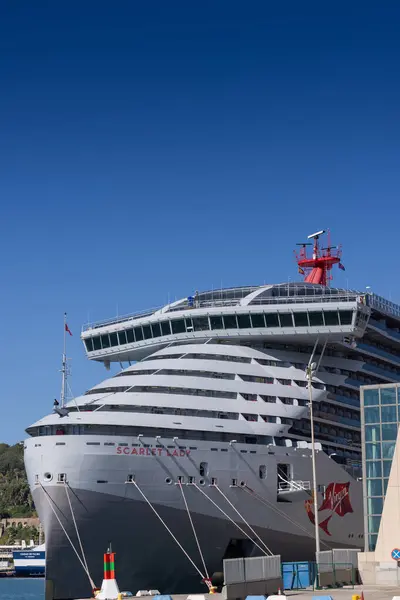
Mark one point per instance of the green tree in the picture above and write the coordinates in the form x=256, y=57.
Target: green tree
x=15, y=497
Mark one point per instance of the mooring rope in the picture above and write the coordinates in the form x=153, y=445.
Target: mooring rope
x=230, y=519
x=244, y=520
x=168, y=529
x=50, y=501
x=194, y=531
x=76, y=527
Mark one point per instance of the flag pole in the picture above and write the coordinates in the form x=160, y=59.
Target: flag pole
x=64, y=363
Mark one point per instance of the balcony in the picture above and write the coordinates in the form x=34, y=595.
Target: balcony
x=383, y=327
x=344, y=399
x=378, y=351
x=337, y=419
x=382, y=372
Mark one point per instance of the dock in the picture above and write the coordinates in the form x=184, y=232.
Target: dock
x=370, y=593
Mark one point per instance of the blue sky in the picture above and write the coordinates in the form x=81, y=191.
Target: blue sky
x=148, y=149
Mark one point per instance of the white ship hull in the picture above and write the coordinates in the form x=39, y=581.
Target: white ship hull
x=109, y=509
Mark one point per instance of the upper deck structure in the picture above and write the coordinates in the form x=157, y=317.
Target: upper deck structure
x=290, y=312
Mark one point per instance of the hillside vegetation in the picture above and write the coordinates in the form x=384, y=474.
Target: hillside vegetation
x=15, y=497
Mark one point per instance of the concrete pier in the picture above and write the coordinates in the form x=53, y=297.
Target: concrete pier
x=370, y=593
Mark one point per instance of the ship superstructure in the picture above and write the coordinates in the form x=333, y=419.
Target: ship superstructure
x=212, y=394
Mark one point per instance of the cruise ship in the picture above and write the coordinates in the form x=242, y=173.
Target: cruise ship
x=30, y=562
x=198, y=449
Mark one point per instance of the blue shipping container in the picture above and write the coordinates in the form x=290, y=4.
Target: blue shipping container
x=298, y=575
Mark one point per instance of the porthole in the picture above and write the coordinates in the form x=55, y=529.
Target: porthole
x=168, y=480
x=47, y=476
x=242, y=484
x=201, y=481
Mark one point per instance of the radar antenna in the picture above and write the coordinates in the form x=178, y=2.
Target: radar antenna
x=317, y=268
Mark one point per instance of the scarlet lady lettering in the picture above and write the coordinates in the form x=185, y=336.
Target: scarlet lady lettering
x=336, y=500
x=151, y=451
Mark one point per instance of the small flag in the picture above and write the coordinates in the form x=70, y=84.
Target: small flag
x=67, y=329
x=301, y=271
x=341, y=267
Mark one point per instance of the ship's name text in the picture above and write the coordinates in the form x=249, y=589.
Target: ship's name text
x=152, y=451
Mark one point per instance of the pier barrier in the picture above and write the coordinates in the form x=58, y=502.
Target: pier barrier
x=257, y=576
x=337, y=567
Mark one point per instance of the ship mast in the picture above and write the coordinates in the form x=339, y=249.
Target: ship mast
x=317, y=267
x=64, y=373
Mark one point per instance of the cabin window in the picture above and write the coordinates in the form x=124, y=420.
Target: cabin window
x=316, y=319
x=165, y=328
x=122, y=337
x=178, y=326
x=156, y=329
x=113, y=339
x=258, y=320
x=138, y=334
x=105, y=341
x=244, y=321
x=301, y=319
x=96, y=343
x=146, y=332
x=230, y=321
x=331, y=317
x=271, y=320
x=286, y=320
x=89, y=344
x=216, y=322
x=201, y=324
x=250, y=439
x=129, y=336
x=346, y=317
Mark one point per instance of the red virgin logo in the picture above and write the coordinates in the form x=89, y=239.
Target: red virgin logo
x=336, y=501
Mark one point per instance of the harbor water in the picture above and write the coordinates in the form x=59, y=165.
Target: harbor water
x=21, y=589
